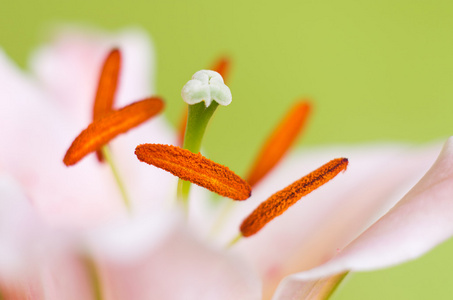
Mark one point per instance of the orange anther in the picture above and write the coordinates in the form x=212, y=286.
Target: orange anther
x=182, y=126
x=279, y=202
x=108, y=83
x=222, y=66
x=104, y=129
x=195, y=168
x=280, y=141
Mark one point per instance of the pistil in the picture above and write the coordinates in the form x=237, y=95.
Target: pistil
x=204, y=92
x=221, y=66
x=197, y=121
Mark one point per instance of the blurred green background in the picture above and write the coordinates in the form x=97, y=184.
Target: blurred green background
x=377, y=70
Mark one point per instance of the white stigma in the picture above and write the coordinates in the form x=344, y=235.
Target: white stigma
x=206, y=86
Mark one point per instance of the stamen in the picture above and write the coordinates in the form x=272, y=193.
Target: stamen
x=195, y=168
x=222, y=66
x=101, y=131
x=108, y=83
x=279, y=202
x=280, y=141
x=94, y=276
x=108, y=157
x=182, y=126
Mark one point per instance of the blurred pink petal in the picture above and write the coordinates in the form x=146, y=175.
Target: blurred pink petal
x=36, y=262
x=74, y=57
x=39, y=129
x=158, y=258
x=328, y=219
x=421, y=220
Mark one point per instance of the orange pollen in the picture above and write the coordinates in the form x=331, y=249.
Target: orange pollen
x=101, y=131
x=108, y=83
x=279, y=202
x=182, y=126
x=195, y=168
x=280, y=141
x=222, y=66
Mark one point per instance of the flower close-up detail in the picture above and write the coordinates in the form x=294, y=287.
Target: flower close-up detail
x=102, y=198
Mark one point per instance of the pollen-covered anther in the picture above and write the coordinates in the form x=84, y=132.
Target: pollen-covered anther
x=104, y=129
x=279, y=202
x=107, y=86
x=222, y=66
x=280, y=141
x=195, y=168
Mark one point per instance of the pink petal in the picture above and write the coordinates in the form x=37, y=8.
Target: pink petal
x=68, y=67
x=36, y=262
x=421, y=220
x=331, y=217
x=38, y=132
x=157, y=258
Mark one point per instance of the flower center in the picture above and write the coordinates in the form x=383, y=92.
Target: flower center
x=189, y=165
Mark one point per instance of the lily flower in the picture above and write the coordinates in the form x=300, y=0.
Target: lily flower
x=79, y=240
